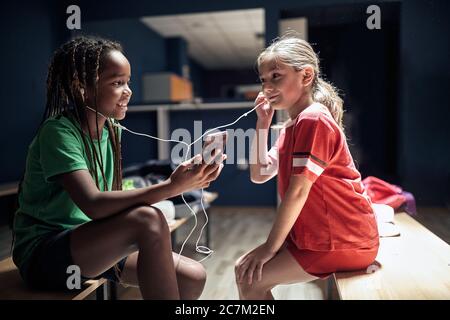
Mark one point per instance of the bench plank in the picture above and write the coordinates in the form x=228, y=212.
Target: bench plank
x=9, y=188
x=12, y=286
x=415, y=265
x=176, y=223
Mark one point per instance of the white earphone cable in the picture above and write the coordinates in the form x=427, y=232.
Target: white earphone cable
x=200, y=249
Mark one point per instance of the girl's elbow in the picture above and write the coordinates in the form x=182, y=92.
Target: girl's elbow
x=90, y=212
x=258, y=179
x=90, y=208
x=256, y=176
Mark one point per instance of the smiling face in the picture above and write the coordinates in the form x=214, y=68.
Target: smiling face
x=285, y=87
x=281, y=84
x=113, y=91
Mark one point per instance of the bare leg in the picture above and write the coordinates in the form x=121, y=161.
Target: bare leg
x=191, y=275
x=98, y=245
x=281, y=269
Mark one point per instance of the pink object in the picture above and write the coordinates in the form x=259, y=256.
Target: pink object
x=383, y=192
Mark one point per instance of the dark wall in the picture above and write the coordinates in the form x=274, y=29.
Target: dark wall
x=424, y=148
x=177, y=55
x=28, y=40
x=196, y=73
x=136, y=149
x=221, y=83
x=363, y=64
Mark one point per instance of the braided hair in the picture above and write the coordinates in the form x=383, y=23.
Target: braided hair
x=75, y=66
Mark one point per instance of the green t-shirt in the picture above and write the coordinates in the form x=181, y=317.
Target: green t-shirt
x=44, y=205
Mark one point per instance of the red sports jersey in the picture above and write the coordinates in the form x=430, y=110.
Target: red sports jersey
x=337, y=213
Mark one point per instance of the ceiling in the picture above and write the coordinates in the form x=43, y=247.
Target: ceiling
x=216, y=40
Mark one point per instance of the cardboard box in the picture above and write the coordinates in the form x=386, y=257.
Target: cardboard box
x=166, y=87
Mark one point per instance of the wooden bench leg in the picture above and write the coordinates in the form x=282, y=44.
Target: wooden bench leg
x=173, y=238
x=112, y=290
x=101, y=293
x=330, y=288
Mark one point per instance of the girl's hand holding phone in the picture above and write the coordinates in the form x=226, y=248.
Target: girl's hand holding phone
x=195, y=174
x=214, y=147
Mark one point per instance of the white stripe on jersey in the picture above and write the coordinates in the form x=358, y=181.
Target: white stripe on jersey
x=306, y=162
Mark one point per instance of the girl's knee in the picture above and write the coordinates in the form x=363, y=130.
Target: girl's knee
x=200, y=281
x=249, y=291
x=199, y=274
x=236, y=266
x=197, y=279
x=192, y=270
x=149, y=221
x=256, y=286
x=192, y=278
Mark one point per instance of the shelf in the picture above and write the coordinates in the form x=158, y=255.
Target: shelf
x=9, y=188
x=191, y=106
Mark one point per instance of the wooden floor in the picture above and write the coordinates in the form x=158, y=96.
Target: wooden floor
x=234, y=232
x=237, y=230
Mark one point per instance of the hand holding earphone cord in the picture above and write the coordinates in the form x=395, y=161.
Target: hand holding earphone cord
x=200, y=249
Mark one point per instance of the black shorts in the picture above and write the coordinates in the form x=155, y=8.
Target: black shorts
x=47, y=267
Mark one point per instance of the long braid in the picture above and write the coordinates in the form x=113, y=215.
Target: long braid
x=99, y=52
x=114, y=137
x=91, y=142
x=82, y=118
x=119, y=159
x=78, y=99
x=118, y=153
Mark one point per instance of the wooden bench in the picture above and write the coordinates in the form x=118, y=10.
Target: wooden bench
x=12, y=286
x=7, y=189
x=414, y=265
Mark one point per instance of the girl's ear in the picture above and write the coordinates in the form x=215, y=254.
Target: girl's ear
x=307, y=75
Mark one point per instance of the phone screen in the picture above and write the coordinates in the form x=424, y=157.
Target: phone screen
x=214, y=146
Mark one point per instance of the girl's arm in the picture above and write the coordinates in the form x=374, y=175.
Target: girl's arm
x=250, y=266
x=96, y=204
x=288, y=212
x=258, y=153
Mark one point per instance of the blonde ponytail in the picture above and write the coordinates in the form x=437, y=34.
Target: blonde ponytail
x=326, y=94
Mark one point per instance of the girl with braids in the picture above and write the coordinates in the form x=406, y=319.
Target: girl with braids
x=72, y=210
x=325, y=222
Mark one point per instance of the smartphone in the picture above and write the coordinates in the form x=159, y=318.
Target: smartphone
x=214, y=147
